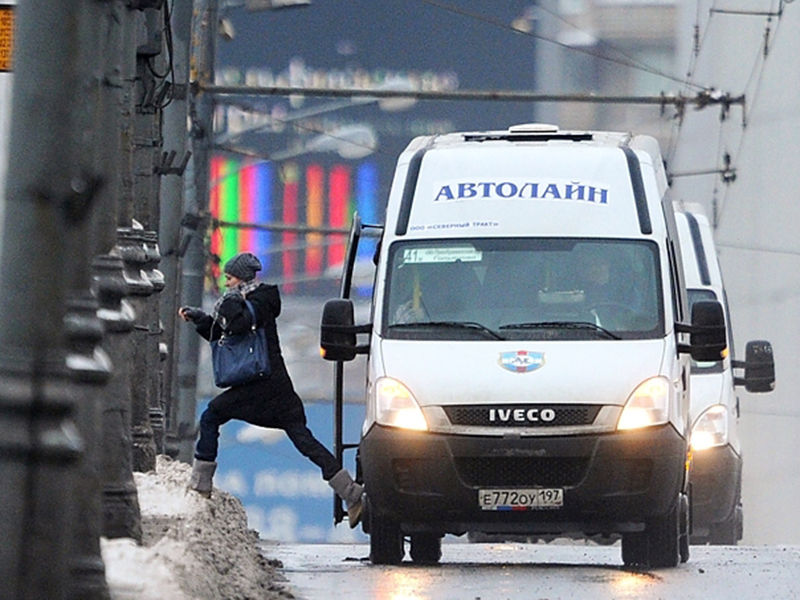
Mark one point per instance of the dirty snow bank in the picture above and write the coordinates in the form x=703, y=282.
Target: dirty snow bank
x=192, y=548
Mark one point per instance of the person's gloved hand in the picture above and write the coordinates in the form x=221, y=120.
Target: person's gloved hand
x=190, y=313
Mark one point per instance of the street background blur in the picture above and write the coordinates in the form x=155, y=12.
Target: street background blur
x=145, y=142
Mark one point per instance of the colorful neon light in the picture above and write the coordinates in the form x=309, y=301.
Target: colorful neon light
x=261, y=193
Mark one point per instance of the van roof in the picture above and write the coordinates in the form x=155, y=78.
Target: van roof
x=484, y=182
x=543, y=133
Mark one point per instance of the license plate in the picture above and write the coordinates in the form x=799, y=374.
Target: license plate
x=533, y=499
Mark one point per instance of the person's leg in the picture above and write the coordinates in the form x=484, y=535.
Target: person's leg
x=219, y=411
x=287, y=410
x=211, y=420
x=337, y=477
x=312, y=448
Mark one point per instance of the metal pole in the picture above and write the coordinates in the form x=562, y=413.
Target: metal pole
x=153, y=87
x=176, y=143
x=194, y=263
x=39, y=443
x=121, y=514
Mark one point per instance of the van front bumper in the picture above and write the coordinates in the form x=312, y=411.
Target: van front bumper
x=613, y=483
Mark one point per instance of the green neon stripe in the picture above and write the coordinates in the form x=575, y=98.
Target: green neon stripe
x=229, y=208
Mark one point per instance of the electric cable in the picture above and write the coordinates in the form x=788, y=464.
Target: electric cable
x=630, y=62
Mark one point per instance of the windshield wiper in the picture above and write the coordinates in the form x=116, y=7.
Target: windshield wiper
x=451, y=324
x=562, y=325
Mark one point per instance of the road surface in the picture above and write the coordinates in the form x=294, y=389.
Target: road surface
x=536, y=572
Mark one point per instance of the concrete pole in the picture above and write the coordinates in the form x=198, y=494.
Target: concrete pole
x=91, y=368
x=115, y=108
x=109, y=108
x=132, y=250
x=176, y=144
x=39, y=442
x=153, y=88
x=121, y=512
x=155, y=341
x=89, y=365
x=195, y=259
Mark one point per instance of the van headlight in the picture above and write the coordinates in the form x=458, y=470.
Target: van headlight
x=396, y=406
x=648, y=405
x=711, y=428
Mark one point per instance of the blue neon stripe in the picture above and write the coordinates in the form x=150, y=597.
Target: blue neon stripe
x=263, y=238
x=367, y=200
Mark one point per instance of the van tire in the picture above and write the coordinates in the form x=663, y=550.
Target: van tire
x=662, y=544
x=634, y=549
x=426, y=548
x=664, y=539
x=728, y=532
x=386, y=543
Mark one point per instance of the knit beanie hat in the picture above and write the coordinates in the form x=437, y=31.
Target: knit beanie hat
x=243, y=266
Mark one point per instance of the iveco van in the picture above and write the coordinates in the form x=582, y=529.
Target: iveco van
x=528, y=351
x=716, y=476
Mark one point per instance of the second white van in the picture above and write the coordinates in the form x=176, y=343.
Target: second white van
x=716, y=476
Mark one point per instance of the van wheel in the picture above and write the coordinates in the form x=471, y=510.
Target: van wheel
x=634, y=549
x=662, y=544
x=426, y=548
x=664, y=539
x=386, y=544
x=728, y=532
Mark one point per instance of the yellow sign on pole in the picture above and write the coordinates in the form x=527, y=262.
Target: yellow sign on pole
x=6, y=37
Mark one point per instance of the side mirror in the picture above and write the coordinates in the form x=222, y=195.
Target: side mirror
x=338, y=331
x=759, y=368
x=707, y=332
x=336, y=341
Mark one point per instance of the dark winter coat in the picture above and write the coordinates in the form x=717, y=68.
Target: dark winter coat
x=266, y=402
x=266, y=301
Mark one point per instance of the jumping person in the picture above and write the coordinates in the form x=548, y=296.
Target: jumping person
x=270, y=401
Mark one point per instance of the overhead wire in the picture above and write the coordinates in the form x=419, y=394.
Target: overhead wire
x=628, y=62
x=756, y=73
x=755, y=97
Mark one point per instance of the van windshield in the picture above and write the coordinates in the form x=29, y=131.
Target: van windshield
x=523, y=289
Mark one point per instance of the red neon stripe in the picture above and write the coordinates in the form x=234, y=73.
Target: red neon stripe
x=290, y=210
x=338, y=210
x=314, y=209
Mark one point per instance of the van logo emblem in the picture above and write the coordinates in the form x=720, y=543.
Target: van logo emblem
x=521, y=361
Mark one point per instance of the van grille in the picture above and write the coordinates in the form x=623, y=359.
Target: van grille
x=522, y=471
x=481, y=416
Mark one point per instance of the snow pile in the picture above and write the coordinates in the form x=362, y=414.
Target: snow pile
x=192, y=548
